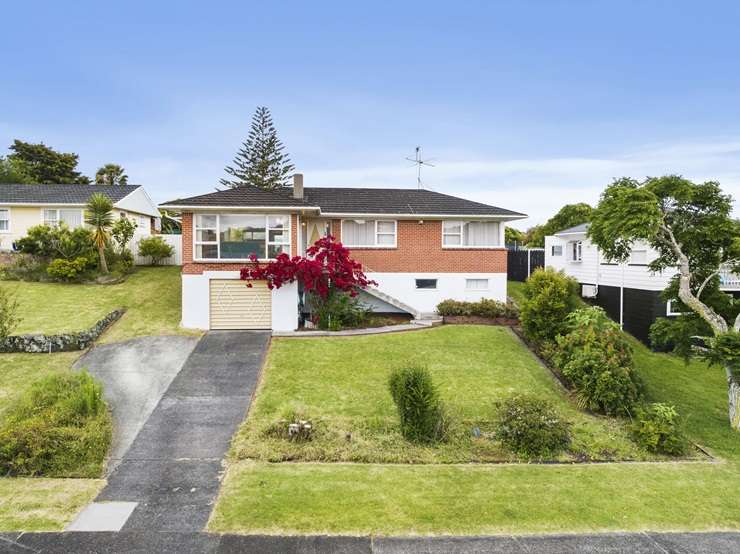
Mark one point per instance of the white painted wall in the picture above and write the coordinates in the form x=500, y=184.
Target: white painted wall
x=449, y=285
x=594, y=269
x=138, y=201
x=196, y=301
x=175, y=241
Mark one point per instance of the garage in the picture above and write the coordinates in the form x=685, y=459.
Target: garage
x=234, y=305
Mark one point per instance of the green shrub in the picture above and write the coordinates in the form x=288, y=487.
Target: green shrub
x=483, y=308
x=37, y=242
x=61, y=427
x=155, y=248
x=50, y=243
x=596, y=359
x=419, y=407
x=531, y=427
x=549, y=297
x=67, y=270
x=122, y=231
x=657, y=427
x=724, y=350
x=337, y=311
x=9, y=318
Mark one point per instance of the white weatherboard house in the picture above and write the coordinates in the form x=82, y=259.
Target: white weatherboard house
x=420, y=246
x=629, y=292
x=24, y=206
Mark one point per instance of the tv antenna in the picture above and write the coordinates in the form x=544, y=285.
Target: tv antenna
x=419, y=162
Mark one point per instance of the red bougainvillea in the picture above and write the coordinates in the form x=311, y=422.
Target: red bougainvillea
x=326, y=266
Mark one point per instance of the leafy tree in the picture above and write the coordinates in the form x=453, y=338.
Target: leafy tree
x=99, y=216
x=111, y=174
x=122, y=231
x=260, y=161
x=14, y=171
x=690, y=227
x=45, y=165
x=513, y=236
x=155, y=248
x=569, y=215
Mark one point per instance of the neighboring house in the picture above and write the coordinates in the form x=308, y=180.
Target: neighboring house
x=23, y=206
x=420, y=246
x=629, y=292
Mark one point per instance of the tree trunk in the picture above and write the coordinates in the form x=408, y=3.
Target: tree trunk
x=103, y=263
x=733, y=391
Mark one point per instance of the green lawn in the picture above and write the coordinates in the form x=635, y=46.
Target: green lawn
x=151, y=297
x=383, y=499
x=515, y=291
x=341, y=386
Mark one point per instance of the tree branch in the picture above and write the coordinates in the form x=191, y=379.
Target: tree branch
x=715, y=321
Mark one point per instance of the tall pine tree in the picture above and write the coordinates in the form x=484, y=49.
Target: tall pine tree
x=260, y=161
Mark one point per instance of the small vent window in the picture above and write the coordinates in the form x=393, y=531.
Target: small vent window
x=426, y=283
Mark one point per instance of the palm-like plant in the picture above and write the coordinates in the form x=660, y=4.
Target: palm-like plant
x=99, y=216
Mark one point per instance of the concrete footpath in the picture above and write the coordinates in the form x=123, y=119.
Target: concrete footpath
x=181, y=543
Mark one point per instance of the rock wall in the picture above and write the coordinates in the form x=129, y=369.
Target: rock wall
x=59, y=343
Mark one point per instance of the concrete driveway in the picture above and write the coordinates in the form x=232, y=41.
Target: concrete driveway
x=135, y=374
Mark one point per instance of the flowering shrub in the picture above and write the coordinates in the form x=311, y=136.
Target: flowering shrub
x=326, y=267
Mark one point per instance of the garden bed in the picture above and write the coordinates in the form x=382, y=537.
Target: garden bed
x=341, y=387
x=479, y=320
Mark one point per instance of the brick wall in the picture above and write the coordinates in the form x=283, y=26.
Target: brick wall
x=419, y=249
x=189, y=267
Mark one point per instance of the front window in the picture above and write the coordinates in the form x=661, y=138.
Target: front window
x=369, y=233
x=71, y=217
x=426, y=283
x=472, y=234
x=576, y=251
x=638, y=257
x=4, y=219
x=557, y=250
x=241, y=236
x=476, y=284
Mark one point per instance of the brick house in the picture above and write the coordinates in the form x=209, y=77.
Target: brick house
x=420, y=246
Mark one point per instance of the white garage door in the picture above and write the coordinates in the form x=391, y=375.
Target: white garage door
x=234, y=305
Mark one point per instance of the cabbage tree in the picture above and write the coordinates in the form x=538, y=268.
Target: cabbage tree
x=99, y=216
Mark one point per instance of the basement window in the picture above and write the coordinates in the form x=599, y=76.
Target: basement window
x=426, y=283
x=476, y=284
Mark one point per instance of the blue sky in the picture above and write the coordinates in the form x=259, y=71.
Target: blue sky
x=525, y=105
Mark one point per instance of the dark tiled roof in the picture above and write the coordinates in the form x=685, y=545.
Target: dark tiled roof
x=582, y=228
x=60, y=194
x=349, y=200
x=241, y=196
x=397, y=201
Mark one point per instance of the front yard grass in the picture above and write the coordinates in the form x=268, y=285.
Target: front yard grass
x=151, y=297
x=341, y=385
x=429, y=499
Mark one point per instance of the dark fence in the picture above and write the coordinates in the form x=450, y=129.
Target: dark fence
x=521, y=263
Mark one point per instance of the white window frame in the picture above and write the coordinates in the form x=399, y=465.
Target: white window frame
x=631, y=262
x=575, y=251
x=217, y=242
x=375, y=234
x=9, y=219
x=461, y=234
x=469, y=279
x=58, y=218
x=669, y=311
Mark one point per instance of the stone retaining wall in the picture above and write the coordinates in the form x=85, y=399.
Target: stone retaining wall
x=63, y=342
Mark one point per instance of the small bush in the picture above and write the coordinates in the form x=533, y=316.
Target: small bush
x=657, y=428
x=60, y=428
x=596, y=360
x=531, y=427
x=338, y=311
x=122, y=231
x=9, y=318
x=155, y=248
x=419, y=407
x=67, y=270
x=549, y=297
x=49, y=243
x=483, y=308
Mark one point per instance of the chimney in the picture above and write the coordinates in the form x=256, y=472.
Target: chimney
x=298, y=186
